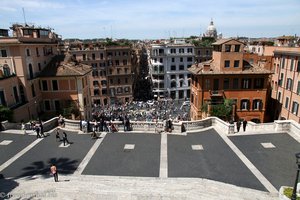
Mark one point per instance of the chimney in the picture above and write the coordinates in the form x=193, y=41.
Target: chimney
x=206, y=67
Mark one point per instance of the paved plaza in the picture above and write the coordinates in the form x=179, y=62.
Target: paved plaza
x=250, y=164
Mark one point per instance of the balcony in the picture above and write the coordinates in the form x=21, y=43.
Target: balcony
x=216, y=93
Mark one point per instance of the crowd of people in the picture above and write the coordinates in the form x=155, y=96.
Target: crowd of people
x=142, y=111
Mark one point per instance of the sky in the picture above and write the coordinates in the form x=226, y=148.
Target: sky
x=155, y=19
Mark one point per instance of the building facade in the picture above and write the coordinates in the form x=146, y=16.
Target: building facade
x=23, y=56
x=169, y=65
x=286, y=83
x=229, y=76
x=112, y=76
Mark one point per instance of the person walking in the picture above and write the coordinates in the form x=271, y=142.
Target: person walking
x=37, y=129
x=57, y=135
x=54, y=172
x=238, y=125
x=244, y=125
x=65, y=138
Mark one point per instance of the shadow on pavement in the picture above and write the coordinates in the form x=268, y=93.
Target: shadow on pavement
x=7, y=185
x=64, y=166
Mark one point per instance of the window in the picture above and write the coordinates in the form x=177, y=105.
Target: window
x=257, y=104
x=125, y=62
x=227, y=63
x=181, y=59
x=295, y=108
x=101, y=56
x=245, y=104
x=173, y=84
x=279, y=97
x=96, y=92
x=181, y=67
x=298, y=88
x=93, y=56
x=118, y=71
x=226, y=83
x=235, y=83
x=282, y=63
x=104, y=91
x=119, y=81
x=258, y=83
x=37, y=51
x=126, y=80
x=16, y=94
x=27, y=32
x=6, y=70
x=161, y=60
x=281, y=79
x=292, y=64
x=39, y=66
x=27, y=52
x=216, y=84
x=173, y=59
x=3, y=53
x=286, y=105
x=111, y=81
x=54, y=85
x=126, y=70
x=236, y=63
x=190, y=50
x=2, y=98
x=117, y=62
x=298, y=65
x=190, y=59
x=181, y=50
x=47, y=105
x=173, y=67
x=237, y=48
x=173, y=51
x=207, y=84
x=227, y=48
x=127, y=89
x=32, y=90
x=289, y=84
x=119, y=90
x=44, y=85
x=173, y=77
x=83, y=56
x=57, y=105
x=246, y=83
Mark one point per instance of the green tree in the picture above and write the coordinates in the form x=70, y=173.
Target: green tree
x=5, y=113
x=223, y=111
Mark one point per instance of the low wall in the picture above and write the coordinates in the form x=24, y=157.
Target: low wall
x=178, y=127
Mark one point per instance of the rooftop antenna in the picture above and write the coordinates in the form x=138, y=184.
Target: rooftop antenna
x=24, y=17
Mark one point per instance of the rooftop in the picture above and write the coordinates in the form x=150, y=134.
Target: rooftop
x=64, y=66
x=214, y=69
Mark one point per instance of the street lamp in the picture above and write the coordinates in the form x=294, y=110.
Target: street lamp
x=294, y=195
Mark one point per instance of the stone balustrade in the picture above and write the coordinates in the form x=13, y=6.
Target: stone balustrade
x=180, y=127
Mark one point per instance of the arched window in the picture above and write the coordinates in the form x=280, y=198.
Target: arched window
x=6, y=70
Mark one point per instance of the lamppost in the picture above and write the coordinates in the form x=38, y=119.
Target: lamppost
x=294, y=195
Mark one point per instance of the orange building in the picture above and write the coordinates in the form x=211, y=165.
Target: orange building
x=65, y=82
x=112, y=76
x=229, y=76
x=286, y=83
x=23, y=56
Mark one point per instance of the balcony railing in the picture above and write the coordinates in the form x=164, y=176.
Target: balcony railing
x=217, y=93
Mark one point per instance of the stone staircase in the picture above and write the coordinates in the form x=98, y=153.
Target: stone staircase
x=131, y=188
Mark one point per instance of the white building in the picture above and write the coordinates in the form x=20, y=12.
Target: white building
x=168, y=69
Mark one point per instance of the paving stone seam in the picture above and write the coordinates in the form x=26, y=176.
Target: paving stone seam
x=18, y=155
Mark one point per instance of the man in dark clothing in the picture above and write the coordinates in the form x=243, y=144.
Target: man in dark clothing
x=244, y=125
x=37, y=129
x=65, y=138
x=42, y=128
x=238, y=125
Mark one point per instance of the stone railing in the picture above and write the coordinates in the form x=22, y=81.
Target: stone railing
x=178, y=127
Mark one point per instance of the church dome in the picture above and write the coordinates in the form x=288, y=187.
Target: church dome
x=211, y=30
